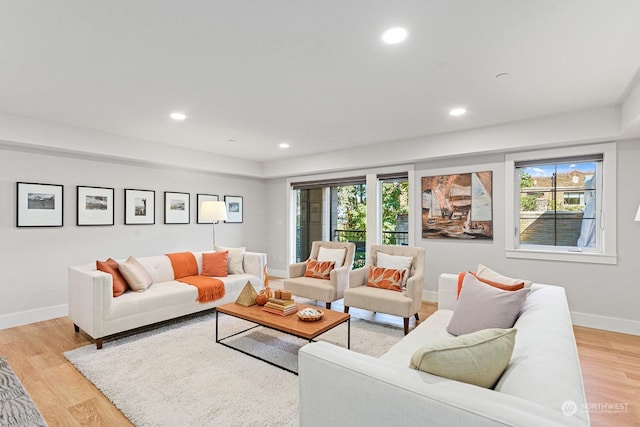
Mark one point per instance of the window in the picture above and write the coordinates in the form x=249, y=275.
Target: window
x=557, y=202
x=349, y=218
x=574, y=199
x=394, y=208
x=550, y=210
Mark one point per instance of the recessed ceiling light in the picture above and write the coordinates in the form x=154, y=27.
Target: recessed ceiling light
x=177, y=116
x=457, y=111
x=394, y=35
x=502, y=75
x=284, y=145
x=231, y=140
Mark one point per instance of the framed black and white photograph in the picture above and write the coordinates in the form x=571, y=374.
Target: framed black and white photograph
x=39, y=205
x=95, y=205
x=139, y=207
x=234, y=208
x=204, y=198
x=176, y=208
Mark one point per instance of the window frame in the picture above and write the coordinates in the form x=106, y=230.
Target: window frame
x=381, y=180
x=371, y=177
x=606, y=216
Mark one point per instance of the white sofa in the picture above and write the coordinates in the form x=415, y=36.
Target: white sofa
x=541, y=386
x=93, y=308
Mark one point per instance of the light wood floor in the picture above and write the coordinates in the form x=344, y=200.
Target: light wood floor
x=610, y=366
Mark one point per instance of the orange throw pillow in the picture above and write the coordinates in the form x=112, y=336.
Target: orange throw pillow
x=215, y=264
x=503, y=286
x=119, y=283
x=386, y=278
x=319, y=269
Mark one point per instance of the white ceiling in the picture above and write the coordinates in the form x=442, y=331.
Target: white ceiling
x=311, y=73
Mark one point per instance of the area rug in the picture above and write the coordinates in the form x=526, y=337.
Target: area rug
x=178, y=375
x=16, y=407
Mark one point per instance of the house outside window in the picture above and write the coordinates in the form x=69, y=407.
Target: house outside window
x=552, y=207
x=557, y=204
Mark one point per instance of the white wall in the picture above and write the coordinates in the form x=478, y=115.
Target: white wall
x=34, y=261
x=601, y=296
x=276, y=223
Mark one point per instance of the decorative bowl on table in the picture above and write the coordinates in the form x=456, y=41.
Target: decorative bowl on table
x=310, y=314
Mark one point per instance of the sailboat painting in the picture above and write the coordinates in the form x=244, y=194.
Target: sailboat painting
x=457, y=206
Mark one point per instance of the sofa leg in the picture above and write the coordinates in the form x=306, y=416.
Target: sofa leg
x=346, y=309
x=406, y=325
x=76, y=328
x=99, y=342
x=328, y=304
x=417, y=318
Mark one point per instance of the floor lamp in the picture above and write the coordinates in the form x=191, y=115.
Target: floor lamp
x=214, y=211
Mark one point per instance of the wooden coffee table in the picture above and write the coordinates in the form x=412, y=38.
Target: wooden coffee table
x=290, y=324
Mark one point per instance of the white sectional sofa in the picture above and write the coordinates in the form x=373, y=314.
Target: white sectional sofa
x=93, y=308
x=541, y=386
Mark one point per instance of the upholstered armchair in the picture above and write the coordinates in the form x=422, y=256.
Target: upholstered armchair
x=308, y=284
x=404, y=302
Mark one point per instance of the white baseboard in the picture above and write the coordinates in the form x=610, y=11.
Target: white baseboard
x=278, y=273
x=613, y=324
x=595, y=321
x=430, y=296
x=32, y=316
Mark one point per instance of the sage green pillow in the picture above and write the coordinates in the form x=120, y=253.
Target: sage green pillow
x=478, y=358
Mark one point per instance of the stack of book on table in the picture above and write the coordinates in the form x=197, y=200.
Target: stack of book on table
x=279, y=306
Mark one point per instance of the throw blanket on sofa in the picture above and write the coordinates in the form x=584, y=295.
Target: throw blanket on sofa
x=184, y=264
x=209, y=288
x=185, y=270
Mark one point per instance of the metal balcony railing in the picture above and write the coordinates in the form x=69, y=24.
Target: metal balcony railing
x=359, y=237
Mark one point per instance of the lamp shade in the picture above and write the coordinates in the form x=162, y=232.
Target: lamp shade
x=638, y=214
x=212, y=210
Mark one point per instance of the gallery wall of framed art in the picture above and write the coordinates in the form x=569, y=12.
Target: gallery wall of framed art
x=41, y=205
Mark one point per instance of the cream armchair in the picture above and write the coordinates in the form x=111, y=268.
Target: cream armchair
x=404, y=304
x=322, y=289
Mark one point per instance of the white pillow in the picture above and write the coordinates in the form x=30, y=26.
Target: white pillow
x=336, y=255
x=235, y=259
x=485, y=272
x=134, y=273
x=396, y=262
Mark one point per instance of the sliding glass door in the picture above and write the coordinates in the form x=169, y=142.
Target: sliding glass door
x=331, y=210
x=309, y=224
x=337, y=210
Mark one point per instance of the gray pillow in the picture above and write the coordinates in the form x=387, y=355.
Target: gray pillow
x=479, y=358
x=482, y=306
